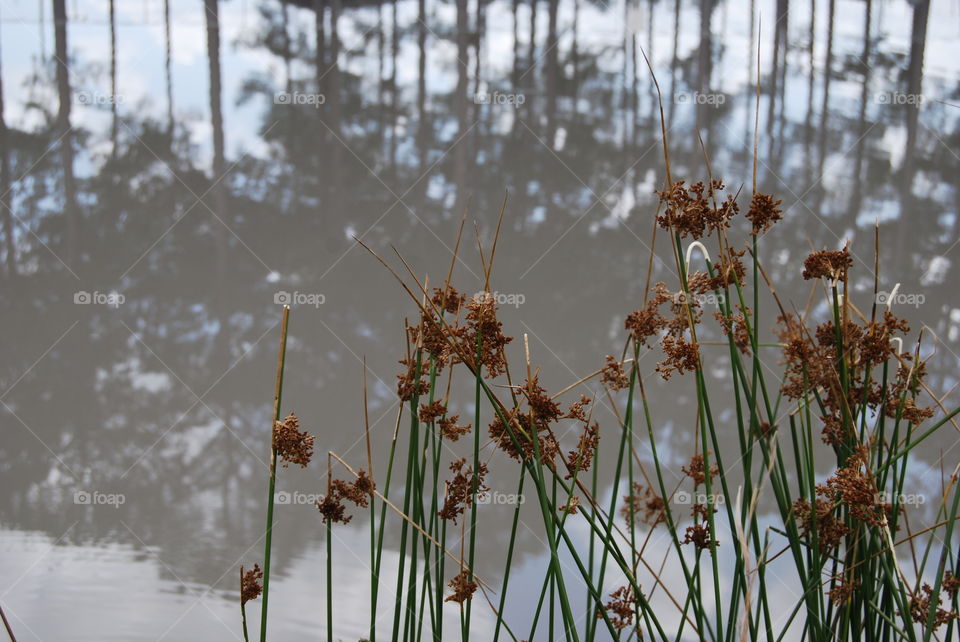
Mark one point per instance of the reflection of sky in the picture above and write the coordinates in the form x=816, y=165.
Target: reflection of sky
x=119, y=573
x=141, y=53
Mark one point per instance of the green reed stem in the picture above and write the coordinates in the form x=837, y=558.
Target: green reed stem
x=509, y=561
x=268, y=539
x=329, y=579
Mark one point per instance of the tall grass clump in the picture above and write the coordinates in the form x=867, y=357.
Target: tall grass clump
x=848, y=396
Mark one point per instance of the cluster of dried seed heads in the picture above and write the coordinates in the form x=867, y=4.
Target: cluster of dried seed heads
x=250, y=584
x=359, y=492
x=459, y=494
x=292, y=445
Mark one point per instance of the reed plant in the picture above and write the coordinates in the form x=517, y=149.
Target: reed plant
x=848, y=395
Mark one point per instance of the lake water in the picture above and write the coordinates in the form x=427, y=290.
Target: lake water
x=142, y=271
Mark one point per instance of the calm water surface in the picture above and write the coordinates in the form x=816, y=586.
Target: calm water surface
x=161, y=200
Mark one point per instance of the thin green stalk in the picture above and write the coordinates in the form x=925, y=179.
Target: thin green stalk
x=509, y=561
x=268, y=540
x=329, y=579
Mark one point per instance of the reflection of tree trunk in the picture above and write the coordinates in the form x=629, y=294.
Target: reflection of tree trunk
x=705, y=69
x=319, y=56
x=651, y=12
x=575, y=59
x=634, y=89
x=516, y=46
x=856, y=196
x=825, y=105
x=336, y=107
x=381, y=81
x=552, y=71
x=625, y=56
x=918, y=41
x=778, y=81
x=6, y=201
x=752, y=76
x=167, y=65
x=460, y=101
x=705, y=54
x=320, y=66
x=287, y=46
x=394, y=56
x=423, y=126
x=293, y=137
x=113, y=79
x=42, y=24
x=532, y=49
x=674, y=65
x=779, y=56
x=64, y=131
x=808, y=120
x=212, y=14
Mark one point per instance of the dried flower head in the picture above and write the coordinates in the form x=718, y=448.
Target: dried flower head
x=463, y=588
x=735, y=326
x=821, y=522
x=409, y=385
x=647, y=321
x=920, y=609
x=841, y=592
x=699, y=536
x=332, y=509
x=580, y=458
x=622, y=604
x=571, y=506
x=250, y=584
x=950, y=584
x=577, y=409
x=542, y=411
x=763, y=212
x=448, y=299
x=293, y=446
x=696, y=470
x=483, y=334
x=853, y=487
x=695, y=211
x=681, y=356
x=460, y=490
x=827, y=264
x=450, y=430
x=359, y=491
x=429, y=413
x=613, y=375
x=645, y=504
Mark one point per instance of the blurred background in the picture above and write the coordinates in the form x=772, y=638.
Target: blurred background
x=174, y=170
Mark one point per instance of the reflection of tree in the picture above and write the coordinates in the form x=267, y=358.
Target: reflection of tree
x=6, y=211
x=64, y=130
x=199, y=300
